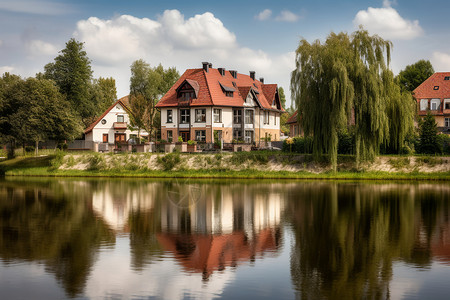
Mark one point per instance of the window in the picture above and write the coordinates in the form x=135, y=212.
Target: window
x=237, y=116
x=248, y=136
x=447, y=78
x=436, y=87
x=120, y=137
x=435, y=103
x=169, y=116
x=185, y=116
x=105, y=138
x=103, y=121
x=200, y=135
x=120, y=119
x=229, y=94
x=217, y=115
x=169, y=136
x=187, y=95
x=249, y=117
x=423, y=104
x=447, y=122
x=237, y=134
x=266, y=117
x=447, y=105
x=200, y=115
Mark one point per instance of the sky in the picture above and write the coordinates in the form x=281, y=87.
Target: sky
x=259, y=36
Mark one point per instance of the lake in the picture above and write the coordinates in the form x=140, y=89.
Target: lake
x=188, y=239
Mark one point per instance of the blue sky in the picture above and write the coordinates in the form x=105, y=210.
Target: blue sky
x=242, y=35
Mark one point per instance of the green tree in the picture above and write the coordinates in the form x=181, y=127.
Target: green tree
x=429, y=142
x=103, y=93
x=33, y=110
x=331, y=79
x=282, y=97
x=413, y=75
x=147, y=86
x=72, y=73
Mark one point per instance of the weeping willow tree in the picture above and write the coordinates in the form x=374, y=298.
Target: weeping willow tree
x=343, y=74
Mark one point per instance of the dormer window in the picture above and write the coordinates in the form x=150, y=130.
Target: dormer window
x=229, y=94
x=447, y=78
x=187, y=95
x=187, y=90
x=228, y=91
x=436, y=87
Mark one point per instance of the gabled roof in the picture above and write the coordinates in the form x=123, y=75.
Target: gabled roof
x=292, y=119
x=427, y=89
x=212, y=85
x=194, y=84
x=124, y=102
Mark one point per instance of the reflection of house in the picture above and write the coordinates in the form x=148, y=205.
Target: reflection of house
x=113, y=125
x=434, y=95
x=215, y=232
x=207, y=104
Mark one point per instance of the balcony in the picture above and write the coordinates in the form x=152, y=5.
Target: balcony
x=120, y=125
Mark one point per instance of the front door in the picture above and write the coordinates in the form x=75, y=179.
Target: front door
x=120, y=137
x=185, y=135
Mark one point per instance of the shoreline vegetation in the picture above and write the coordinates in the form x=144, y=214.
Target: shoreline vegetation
x=241, y=165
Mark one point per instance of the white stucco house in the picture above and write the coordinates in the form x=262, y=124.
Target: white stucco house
x=112, y=126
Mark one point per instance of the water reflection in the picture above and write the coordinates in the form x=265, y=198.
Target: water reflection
x=349, y=235
x=176, y=239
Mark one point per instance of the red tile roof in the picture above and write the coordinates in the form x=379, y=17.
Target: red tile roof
x=124, y=101
x=427, y=89
x=293, y=118
x=211, y=92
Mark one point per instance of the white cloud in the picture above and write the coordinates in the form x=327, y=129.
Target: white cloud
x=264, y=15
x=441, y=61
x=5, y=69
x=287, y=16
x=35, y=7
x=38, y=47
x=172, y=40
x=387, y=23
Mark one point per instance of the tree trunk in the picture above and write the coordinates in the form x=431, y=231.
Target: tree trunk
x=36, y=150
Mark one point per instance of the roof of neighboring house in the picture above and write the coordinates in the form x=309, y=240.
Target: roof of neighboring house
x=124, y=101
x=213, y=85
x=292, y=119
x=428, y=88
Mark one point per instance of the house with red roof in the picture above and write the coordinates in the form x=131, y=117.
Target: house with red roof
x=294, y=125
x=434, y=95
x=208, y=104
x=112, y=126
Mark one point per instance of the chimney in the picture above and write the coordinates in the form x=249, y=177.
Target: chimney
x=206, y=66
x=262, y=80
x=233, y=73
x=222, y=71
x=210, y=65
x=252, y=75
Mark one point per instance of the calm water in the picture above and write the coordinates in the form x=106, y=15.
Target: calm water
x=146, y=239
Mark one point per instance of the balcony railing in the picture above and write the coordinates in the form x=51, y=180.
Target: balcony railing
x=120, y=125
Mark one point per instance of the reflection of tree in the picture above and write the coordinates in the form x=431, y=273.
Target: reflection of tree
x=347, y=237
x=39, y=222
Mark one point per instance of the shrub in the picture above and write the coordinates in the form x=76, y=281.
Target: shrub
x=29, y=149
x=169, y=161
x=96, y=162
x=191, y=142
x=57, y=161
x=299, y=145
x=62, y=146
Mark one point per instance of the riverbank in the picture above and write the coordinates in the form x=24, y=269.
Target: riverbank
x=251, y=165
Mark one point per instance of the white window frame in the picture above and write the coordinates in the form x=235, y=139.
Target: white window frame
x=185, y=118
x=200, y=115
x=170, y=136
x=423, y=104
x=169, y=116
x=447, y=122
x=200, y=135
x=120, y=117
x=248, y=136
x=249, y=116
x=237, y=116
x=435, y=104
x=217, y=115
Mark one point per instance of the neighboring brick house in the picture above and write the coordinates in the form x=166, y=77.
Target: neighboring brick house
x=294, y=126
x=434, y=95
x=207, y=104
x=112, y=126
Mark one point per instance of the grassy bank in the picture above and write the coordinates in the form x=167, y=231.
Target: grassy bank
x=255, y=165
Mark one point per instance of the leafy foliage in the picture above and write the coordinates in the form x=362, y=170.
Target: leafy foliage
x=147, y=86
x=348, y=73
x=429, y=142
x=413, y=75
